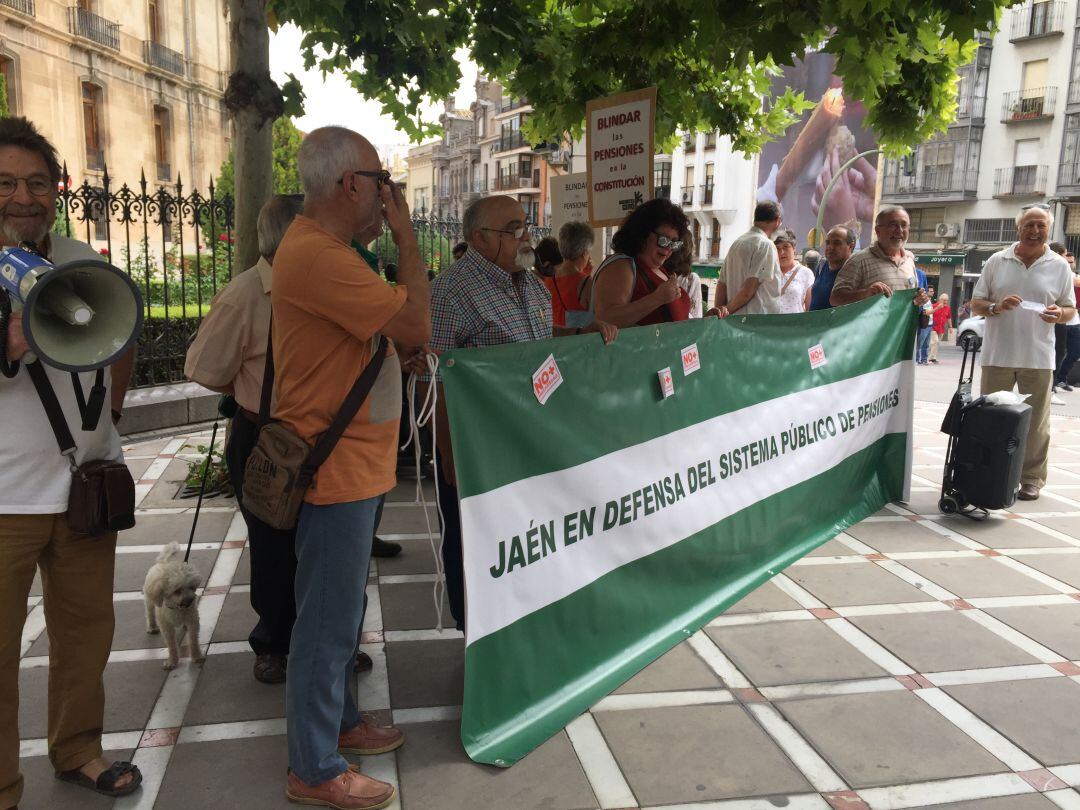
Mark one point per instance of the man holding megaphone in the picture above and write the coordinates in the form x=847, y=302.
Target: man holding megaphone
x=78, y=320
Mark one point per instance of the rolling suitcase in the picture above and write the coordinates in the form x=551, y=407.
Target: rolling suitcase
x=985, y=455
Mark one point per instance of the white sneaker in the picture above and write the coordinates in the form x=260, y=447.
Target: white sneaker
x=1056, y=400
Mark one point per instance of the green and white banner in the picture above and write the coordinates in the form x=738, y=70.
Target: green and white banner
x=616, y=499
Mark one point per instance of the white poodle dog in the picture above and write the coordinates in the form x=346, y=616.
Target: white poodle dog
x=173, y=605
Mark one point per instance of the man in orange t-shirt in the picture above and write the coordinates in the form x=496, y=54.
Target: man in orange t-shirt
x=330, y=309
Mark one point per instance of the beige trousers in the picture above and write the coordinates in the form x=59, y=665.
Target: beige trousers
x=935, y=341
x=77, y=587
x=1036, y=382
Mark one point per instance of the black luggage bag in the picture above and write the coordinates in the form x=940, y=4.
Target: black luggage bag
x=986, y=449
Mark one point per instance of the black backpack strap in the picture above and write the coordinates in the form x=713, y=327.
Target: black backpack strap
x=357, y=394
x=52, y=410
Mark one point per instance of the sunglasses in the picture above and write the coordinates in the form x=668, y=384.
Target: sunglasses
x=381, y=177
x=664, y=243
x=1040, y=206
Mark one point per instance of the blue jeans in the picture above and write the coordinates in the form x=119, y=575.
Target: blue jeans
x=333, y=550
x=1072, y=354
x=922, y=347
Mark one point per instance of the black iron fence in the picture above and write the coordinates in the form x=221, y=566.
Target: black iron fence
x=437, y=236
x=178, y=246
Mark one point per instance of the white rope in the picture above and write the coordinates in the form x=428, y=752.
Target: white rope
x=417, y=420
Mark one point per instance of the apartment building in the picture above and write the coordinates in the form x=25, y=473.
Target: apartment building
x=483, y=151
x=715, y=187
x=134, y=85
x=1015, y=141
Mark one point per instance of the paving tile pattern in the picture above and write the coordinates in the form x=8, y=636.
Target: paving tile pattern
x=915, y=660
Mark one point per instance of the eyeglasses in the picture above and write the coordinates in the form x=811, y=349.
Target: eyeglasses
x=37, y=185
x=1040, y=206
x=517, y=232
x=381, y=177
x=665, y=243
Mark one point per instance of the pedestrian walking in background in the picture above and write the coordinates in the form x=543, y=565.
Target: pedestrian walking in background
x=940, y=326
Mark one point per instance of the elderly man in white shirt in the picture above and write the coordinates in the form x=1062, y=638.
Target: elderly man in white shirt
x=1023, y=291
x=752, y=268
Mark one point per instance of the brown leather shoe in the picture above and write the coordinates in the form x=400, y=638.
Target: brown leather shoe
x=1028, y=492
x=351, y=790
x=270, y=668
x=368, y=738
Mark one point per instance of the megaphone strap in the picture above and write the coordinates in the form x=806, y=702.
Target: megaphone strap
x=52, y=410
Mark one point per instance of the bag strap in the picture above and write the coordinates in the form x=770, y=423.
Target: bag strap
x=357, y=394
x=90, y=410
x=268, y=377
x=614, y=257
x=791, y=278
x=52, y=408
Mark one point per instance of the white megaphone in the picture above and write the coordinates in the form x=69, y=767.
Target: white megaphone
x=77, y=316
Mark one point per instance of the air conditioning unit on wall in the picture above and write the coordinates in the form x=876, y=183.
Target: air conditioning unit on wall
x=947, y=230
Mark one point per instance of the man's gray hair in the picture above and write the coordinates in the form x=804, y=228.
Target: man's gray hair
x=472, y=219
x=1037, y=207
x=275, y=217
x=325, y=156
x=849, y=234
x=890, y=209
x=575, y=239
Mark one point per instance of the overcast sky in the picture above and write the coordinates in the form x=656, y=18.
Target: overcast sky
x=333, y=101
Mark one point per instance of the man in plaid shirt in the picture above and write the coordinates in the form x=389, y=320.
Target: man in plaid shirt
x=883, y=267
x=487, y=298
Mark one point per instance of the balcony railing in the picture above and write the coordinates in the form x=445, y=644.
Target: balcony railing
x=1074, y=91
x=706, y=194
x=1069, y=175
x=510, y=182
x=710, y=140
x=87, y=24
x=24, y=6
x=95, y=159
x=1034, y=20
x=1020, y=181
x=1028, y=105
x=970, y=108
x=512, y=104
x=688, y=195
x=513, y=140
x=929, y=180
x=159, y=56
x=690, y=144
x=662, y=192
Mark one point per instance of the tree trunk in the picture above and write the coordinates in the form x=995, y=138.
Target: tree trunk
x=254, y=101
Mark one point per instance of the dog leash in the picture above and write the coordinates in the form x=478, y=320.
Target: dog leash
x=202, y=489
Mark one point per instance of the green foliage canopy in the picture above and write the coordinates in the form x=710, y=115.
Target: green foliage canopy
x=711, y=60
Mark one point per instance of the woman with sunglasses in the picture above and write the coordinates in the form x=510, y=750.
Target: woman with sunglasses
x=630, y=287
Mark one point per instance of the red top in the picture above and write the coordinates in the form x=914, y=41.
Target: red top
x=677, y=310
x=564, y=295
x=941, y=318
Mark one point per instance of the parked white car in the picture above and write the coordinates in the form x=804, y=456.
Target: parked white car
x=971, y=328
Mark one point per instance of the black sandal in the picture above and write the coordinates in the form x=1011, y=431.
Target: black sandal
x=105, y=784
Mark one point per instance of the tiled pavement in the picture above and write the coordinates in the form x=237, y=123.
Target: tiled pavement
x=913, y=661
